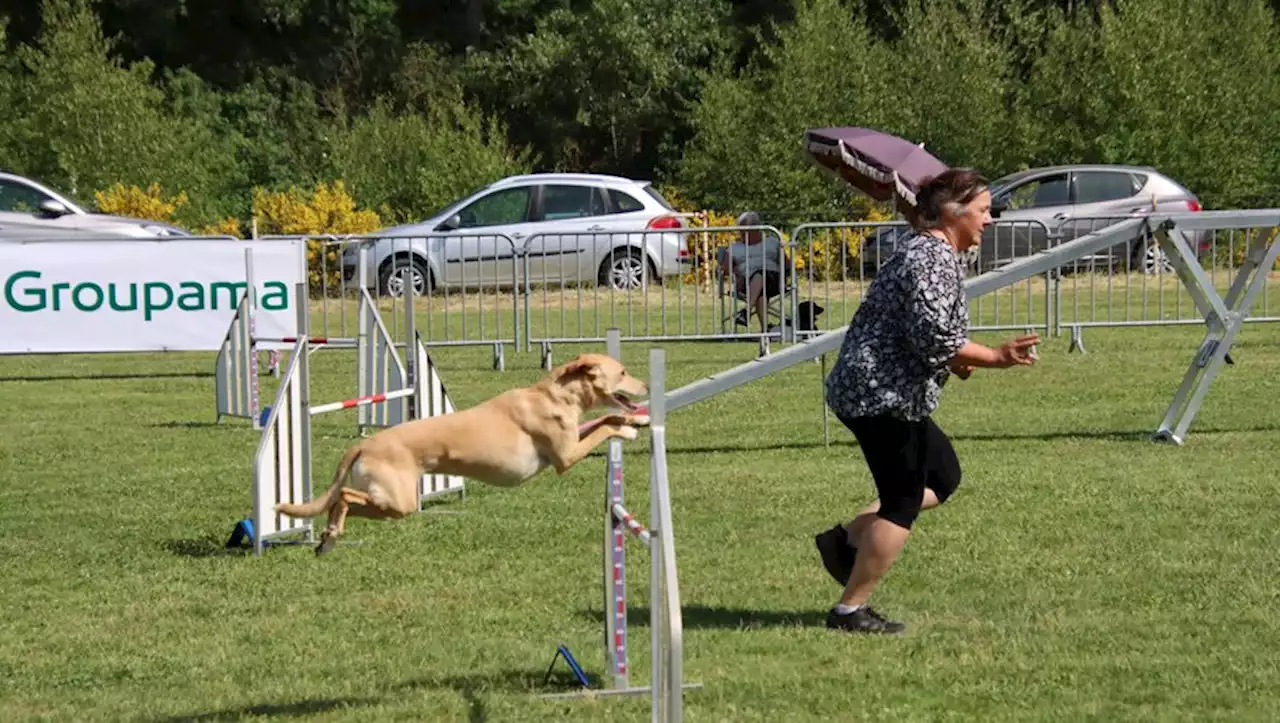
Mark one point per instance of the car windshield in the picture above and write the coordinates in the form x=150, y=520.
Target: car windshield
x=1002, y=183
x=454, y=204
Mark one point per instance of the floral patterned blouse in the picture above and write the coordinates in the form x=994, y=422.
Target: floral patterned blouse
x=913, y=320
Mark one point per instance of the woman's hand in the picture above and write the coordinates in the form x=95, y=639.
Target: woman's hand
x=962, y=370
x=1019, y=351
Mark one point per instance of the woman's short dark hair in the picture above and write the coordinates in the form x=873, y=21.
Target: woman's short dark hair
x=946, y=192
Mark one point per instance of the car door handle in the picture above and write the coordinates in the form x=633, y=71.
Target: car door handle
x=596, y=227
x=517, y=235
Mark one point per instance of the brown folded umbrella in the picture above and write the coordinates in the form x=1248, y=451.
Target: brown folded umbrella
x=879, y=164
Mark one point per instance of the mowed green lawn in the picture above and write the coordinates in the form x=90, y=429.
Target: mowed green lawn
x=1081, y=573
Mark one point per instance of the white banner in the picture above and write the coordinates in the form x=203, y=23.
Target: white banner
x=169, y=294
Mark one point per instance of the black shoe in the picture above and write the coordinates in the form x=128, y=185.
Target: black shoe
x=837, y=554
x=863, y=620
x=740, y=318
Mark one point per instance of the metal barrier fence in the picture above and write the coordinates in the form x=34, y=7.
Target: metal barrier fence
x=1142, y=288
x=467, y=285
x=652, y=285
x=835, y=264
x=705, y=283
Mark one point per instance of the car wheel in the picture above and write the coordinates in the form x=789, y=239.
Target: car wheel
x=625, y=268
x=391, y=277
x=1150, y=259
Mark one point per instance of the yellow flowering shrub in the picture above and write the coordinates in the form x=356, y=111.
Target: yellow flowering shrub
x=134, y=202
x=229, y=226
x=703, y=246
x=328, y=210
x=832, y=254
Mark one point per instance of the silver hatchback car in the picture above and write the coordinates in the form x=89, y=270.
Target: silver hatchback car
x=570, y=228
x=1068, y=201
x=30, y=210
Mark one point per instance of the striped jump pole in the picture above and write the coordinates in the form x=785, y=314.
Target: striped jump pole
x=637, y=529
x=362, y=401
x=310, y=340
x=615, y=557
x=236, y=390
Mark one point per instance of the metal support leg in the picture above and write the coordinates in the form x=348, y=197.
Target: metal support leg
x=1224, y=319
x=499, y=360
x=1077, y=340
x=546, y=355
x=826, y=413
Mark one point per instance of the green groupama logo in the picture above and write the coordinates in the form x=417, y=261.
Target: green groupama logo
x=24, y=291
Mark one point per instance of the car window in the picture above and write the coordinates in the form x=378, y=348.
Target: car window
x=653, y=192
x=20, y=198
x=1038, y=193
x=561, y=202
x=510, y=205
x=1098, y=186
x=624, y=202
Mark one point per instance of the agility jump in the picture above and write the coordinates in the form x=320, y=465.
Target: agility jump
x=378, y=365
x=282, y=465
x=666, y=624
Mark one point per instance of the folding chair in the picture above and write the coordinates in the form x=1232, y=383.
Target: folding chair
x=731, y=293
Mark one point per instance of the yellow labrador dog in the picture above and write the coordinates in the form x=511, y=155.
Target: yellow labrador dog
x=504, y=441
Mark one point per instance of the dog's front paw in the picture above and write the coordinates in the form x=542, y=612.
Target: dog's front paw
x=640, y=420
x=628, y=432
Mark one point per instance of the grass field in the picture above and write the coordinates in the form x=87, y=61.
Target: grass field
x=1081, y=573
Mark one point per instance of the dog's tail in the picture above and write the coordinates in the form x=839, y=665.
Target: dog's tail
x=320, y=504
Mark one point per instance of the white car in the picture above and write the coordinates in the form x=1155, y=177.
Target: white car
x=570, y=227
x=29, y=210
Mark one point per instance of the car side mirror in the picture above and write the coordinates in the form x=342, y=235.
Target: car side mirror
x=452, y=223
x=997, y=209
x=52, y=208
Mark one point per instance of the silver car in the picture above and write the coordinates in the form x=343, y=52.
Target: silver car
x=570, y=228
x=1078, y=199
x=1032, y=206
x=29, y=210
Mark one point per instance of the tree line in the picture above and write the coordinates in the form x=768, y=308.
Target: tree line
x=412, y=104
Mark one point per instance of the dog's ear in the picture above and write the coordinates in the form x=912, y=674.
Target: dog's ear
x=581, y=364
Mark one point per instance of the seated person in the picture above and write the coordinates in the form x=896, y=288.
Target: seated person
x=758, y=265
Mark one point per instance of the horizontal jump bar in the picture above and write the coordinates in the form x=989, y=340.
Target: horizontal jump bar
x=310, y=340
x=361, y=401
x=635, y=527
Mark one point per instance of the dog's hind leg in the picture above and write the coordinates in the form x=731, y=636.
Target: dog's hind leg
x=390, y=493
x=347, y=503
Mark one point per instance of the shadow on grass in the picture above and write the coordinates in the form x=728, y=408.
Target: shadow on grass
x=274, y=710
x=204, y=547
x=139, y=376
x=472, y=689
x=846, y=440
x=721, y=618
x=227, y=425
